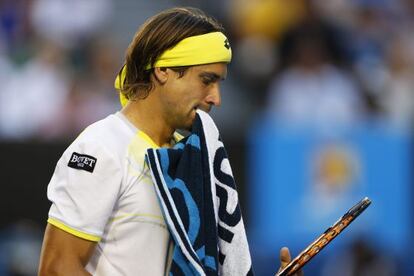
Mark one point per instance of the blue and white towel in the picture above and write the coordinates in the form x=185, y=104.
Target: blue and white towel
x=197, y=192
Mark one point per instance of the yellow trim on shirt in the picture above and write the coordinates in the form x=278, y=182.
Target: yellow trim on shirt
x=176, y=136
x=138, y=215
x=72, y=231
x=144, y=136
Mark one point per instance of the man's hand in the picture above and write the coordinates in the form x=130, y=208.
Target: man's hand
x=285, y=260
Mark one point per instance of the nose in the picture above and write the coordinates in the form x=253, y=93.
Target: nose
x=214, y=97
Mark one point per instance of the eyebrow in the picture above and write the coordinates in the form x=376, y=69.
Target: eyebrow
x=211, y=75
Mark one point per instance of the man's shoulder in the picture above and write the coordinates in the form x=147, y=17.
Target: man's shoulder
x=106, y=125
x=109, y=133
x=110, y=127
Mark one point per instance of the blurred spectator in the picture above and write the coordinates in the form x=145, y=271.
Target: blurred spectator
x=361, y=260
x=370, y=33
x=20, y=245
x=34, y=94
x=382, y=53
x=257, y=27
x=65, y=70
x=265, y=18
x=15, y=27
x=68, y=22
x=397, y=97
x=322, y=95
x=312, y=25
x=6, y=68
x=92, y=96
x=340, y=11
x=311, y=88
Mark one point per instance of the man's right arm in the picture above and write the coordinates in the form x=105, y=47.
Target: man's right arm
x=64, y=253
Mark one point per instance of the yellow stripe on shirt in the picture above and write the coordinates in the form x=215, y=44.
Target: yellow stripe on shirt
x=72, y=231
x=138, y=215
x=148, y=139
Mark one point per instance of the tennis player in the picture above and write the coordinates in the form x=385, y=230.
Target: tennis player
x=105, y=218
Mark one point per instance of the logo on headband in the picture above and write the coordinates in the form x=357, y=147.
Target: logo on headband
x=226, y=43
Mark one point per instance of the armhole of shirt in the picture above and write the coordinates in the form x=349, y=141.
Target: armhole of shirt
x=72, y=231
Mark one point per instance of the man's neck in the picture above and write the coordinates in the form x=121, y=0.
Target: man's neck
x=147, y=118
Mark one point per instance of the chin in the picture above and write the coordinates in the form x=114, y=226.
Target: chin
x=186, y=125
x=189, y=124
x=187, y=128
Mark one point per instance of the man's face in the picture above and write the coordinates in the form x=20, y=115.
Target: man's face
x=198, y=88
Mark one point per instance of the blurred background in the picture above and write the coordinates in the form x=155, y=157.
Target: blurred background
x=317, y=113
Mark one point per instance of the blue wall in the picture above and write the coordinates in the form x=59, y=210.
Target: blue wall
x=302, y=179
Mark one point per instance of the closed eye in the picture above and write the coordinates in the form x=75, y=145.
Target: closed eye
x=208, y=77
x=208, y=81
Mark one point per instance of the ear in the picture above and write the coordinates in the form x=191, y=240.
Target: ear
x=161, y=74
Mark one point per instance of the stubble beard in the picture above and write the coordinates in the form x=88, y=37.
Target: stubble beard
x=182, y=121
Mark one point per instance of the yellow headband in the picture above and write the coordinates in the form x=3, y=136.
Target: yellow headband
x=195, y=50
